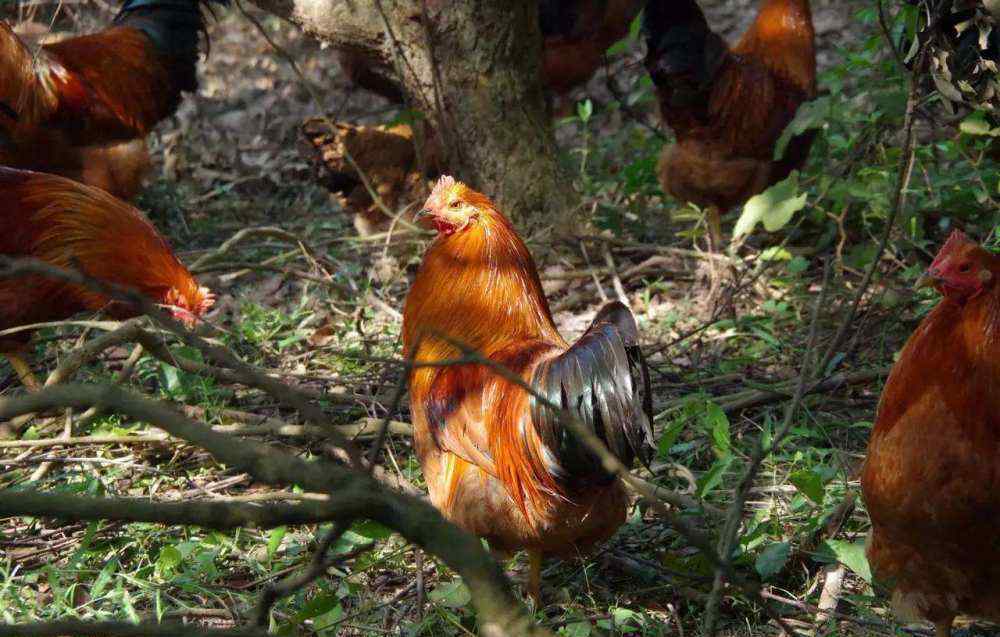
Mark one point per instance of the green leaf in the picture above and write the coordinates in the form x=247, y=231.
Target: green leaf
x=168, y=560
x=977, y=125
x=775, y=253
x=814, y=114
x=719, y=427
x=171, y=377
x=669, y=437
x=325, y=624
x=576, y=629
x=453, y=594
x=371, y=530
x=584, y=110
x=798, y=265
x=851, y=555
x=274, y=539
x=773, y=558
x=625, y=618
x=319, y=605
x=809, y=483
x=774, y=207
x=713, y=477
x=103, y=579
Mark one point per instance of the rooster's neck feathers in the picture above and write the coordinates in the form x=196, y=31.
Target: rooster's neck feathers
x=783, y=38
x=480, y=287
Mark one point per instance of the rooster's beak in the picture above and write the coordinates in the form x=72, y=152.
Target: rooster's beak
x=422, y=214
x=926, y=280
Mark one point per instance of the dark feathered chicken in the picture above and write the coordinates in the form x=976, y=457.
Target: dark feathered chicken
x=728, y=106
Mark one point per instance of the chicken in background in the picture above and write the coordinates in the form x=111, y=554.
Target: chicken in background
x=70, y=225
x=496, y=461
x=388, y=157
x=931, y=480
x=728, y=106
x=82, y=107
x=576, y=34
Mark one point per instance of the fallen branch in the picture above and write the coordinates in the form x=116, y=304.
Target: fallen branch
x=122, y=629
x=353, y=495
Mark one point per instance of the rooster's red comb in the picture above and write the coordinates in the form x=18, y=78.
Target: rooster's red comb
x=956, y=241
x=441, y=190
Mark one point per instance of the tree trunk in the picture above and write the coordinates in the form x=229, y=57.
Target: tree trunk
x=473, y=67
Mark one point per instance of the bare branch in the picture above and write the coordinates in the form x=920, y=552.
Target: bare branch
x=121, y=629
x=206, y=514
x=353, y=494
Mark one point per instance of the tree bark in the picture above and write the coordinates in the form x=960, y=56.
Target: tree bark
x=473, y=67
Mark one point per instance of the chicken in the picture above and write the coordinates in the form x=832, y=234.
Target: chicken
x=576, y=35
x=496, y=461
x=728, y=106
x=931, y=480
x=388, y=158
x=82, y=106
x=70, y=225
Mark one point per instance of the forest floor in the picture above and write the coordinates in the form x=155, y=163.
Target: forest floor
x=232, y=160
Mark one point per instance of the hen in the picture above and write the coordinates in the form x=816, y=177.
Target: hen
x=387, y=155
x=80, y=107
x=70, y=225
x=931, y=480
x=496, y=461
x=728, y=106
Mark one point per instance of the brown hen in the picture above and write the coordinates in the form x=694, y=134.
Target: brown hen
x=931, y=480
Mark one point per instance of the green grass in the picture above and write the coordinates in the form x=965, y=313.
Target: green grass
x=647, y=580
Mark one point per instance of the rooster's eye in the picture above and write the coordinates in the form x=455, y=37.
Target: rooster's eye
x=456, y=204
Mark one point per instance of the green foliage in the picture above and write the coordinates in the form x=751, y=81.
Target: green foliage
x=774, y=207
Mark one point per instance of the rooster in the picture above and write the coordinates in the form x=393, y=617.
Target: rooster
x=497, y=462
x=931, y=480
x=80, y=107
x=70, y=225
x=728, y=106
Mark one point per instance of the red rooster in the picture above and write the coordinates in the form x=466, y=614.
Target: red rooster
x=70, y=225
x=64, y=104
x=931, y=480
x=496, y=461
x=728, y=106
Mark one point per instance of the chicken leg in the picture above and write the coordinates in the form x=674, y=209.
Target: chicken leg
x=23, y=371
x=713, y=217
x=535, y=559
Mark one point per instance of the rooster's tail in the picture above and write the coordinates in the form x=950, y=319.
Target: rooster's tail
x=174, y=26
x=603, y=382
